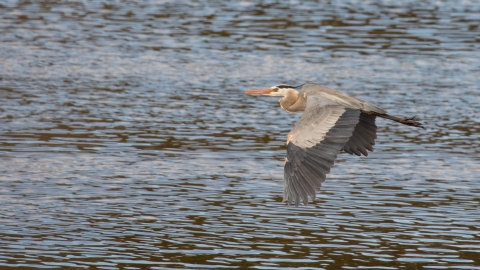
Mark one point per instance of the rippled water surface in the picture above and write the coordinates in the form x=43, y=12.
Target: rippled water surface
x=126, y=140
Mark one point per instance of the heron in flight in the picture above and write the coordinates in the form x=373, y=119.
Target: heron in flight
x=331, y=121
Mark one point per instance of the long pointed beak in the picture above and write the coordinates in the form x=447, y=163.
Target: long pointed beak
x=262, y=91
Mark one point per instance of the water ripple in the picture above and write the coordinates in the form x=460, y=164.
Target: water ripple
x=127, y=142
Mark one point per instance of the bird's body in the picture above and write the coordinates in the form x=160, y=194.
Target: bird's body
x=331, y=121
x=298, y=99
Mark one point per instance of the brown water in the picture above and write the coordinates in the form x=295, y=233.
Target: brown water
x=126, y=140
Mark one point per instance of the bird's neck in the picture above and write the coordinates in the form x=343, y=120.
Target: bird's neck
x=293, y=102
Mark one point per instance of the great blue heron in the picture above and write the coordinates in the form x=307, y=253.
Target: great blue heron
x=331, y=121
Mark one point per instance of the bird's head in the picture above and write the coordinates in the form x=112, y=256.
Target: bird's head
x=280, y=90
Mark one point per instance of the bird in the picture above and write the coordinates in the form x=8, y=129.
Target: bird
x=332, y=121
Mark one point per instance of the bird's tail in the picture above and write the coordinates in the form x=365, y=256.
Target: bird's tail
x=409, y=121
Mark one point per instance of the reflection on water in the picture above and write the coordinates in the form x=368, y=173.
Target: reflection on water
x=126, y=139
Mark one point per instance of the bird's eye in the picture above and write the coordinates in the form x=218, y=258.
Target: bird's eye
x=275, y=89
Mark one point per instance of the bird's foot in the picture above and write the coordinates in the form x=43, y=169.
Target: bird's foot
x=407, y=119
x=412, y=121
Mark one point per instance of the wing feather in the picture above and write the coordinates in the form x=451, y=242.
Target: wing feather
x=311, y=180
x=316, y=140
x=365, y=143
x=298, y=191
x=316, y=170
x=288, y=190
x=363, y=137
x=369, y=133
x=359, y=149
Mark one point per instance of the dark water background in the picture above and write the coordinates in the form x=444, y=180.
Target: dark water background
x=126, y=140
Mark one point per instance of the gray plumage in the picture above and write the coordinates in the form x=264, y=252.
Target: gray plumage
x=331, y=121
x=339, y=97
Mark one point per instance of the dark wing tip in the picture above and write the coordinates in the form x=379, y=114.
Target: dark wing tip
x=363, y=136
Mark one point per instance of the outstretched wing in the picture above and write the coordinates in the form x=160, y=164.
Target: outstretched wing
x=313, y=145
x=363, y=137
